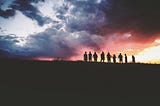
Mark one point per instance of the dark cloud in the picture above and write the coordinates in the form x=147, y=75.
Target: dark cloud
x=7, y=42
x=7, y=45
x=7, y=13
x=47, y=44
x=26, y=8
x=9, y=49
x=139, y=16
x=55, y=43
x=29, y=10
x=87, y=16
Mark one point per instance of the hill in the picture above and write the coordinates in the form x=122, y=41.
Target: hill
x=79, y=78
x=94, y=83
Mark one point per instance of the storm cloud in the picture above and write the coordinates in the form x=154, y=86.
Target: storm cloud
x=139, y=16
x=72, y=24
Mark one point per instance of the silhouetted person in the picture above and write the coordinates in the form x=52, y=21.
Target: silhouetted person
x=95, y=56
x=133, y=59
x=126, y=61
x=114, y=58
x=102, y=57
x=85, y=56
x=109, y=57
x=90, y=56
x=120, y=58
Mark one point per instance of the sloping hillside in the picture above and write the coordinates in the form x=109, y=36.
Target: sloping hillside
x=78, y=78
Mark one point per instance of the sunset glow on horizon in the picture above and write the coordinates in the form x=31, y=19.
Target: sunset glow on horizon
x=148, y=55
x=65, y=29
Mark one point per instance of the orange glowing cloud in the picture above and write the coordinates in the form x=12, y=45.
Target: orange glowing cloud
x=145, y=51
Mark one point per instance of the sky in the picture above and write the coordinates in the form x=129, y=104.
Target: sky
x=48, y=29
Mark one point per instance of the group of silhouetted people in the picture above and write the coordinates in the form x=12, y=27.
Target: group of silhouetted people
x=89, y=56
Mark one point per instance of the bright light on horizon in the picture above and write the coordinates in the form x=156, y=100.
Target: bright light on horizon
x=157, y=40
x=149, y=55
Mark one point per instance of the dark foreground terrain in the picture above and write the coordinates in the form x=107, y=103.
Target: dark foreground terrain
x=33, y=78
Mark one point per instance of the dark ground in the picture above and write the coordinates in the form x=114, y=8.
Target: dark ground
x=113, y=83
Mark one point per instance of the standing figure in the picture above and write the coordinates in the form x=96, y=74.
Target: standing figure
x=133, y=59
x=114, y=58
x=109, y=57
x=120, y=58
x=90, y=56
x=126, y=61
x=102, y=57
x=95, y=56
x=85, y=56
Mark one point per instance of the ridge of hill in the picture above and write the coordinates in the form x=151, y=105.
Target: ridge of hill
x=78, y=78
